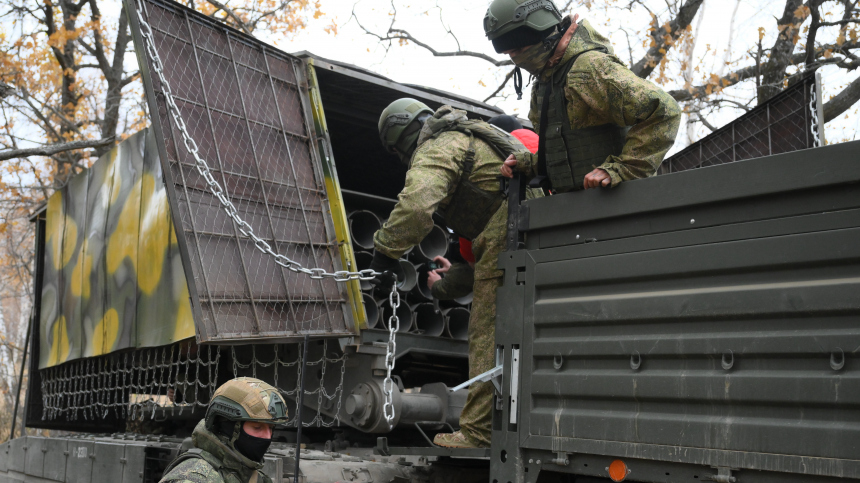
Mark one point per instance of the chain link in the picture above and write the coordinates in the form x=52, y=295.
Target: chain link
x=259, y=243
x=390, y=352
x=813, y=109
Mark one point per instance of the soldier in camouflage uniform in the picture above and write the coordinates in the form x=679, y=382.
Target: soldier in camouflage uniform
x=229, y=443
x=599, y=123
x=437, y=172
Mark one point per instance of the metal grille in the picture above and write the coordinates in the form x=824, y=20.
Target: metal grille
x=178, y=377
x=244, y=103
x=787, y=122
x=167, y=381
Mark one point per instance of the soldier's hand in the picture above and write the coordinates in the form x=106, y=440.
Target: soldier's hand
x=432, y=277
x=443, y=263
x=596, y=179
x=508, y=168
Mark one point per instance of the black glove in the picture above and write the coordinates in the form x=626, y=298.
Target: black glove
x=389, y=268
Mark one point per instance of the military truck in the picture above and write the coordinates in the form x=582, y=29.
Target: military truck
x=700, y=325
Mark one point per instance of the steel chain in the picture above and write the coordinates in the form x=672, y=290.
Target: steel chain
x=390, y=352
x=259, y=243
x=813, y=109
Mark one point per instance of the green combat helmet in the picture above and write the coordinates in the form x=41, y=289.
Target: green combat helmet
x=511, y=24
x=396, y=127
x=247, y=399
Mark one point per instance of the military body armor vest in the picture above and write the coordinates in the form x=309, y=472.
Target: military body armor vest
x=566, y=155
x=471, y=208
x=226, y=476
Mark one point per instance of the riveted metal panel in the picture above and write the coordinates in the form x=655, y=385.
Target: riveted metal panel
x=35, y=456
x=17, y=454
x=726, y=338
x=4, y=457
x=245, y=106
x=135, y=458
x=108, y=461
x=56, y=455
x=79, y=465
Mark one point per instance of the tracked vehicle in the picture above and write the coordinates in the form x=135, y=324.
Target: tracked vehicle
x=700, y=325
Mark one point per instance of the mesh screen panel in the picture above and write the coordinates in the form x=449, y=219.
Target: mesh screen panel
x=245, y=105
x=782, y=124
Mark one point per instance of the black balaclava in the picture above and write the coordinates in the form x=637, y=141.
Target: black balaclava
x=249, y=446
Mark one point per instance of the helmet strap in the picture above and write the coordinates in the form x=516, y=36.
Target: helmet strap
x=518, y=82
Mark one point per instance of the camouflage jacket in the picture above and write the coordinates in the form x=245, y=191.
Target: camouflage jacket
x=232, y=466
x=457, y=282
x=433, y=175
x=602, y=90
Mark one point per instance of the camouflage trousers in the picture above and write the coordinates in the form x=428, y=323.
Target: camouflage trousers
x=476, y=420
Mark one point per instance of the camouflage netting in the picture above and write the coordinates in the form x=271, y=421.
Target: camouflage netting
x=113, y=274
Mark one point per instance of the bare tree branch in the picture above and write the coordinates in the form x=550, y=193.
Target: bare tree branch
x=501, y=86
x=843, y=101
x=230, y=13
x=53, y=149
x=750, y=71
x=665, y=37
x=399, y=34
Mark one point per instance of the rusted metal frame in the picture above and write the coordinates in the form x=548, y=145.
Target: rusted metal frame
x=223, y=179
x=260, y=174
x=263, y=300
x=300, y=73
x=167, y=33
x=226, y=113
x=239, y=175
x=291, y=242
x=164, y=159
x=296, y=178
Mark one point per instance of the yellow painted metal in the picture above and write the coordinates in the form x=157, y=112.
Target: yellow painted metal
x=335, y=199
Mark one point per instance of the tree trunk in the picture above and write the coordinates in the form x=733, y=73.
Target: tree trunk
x=773, y=71
x=843, y=101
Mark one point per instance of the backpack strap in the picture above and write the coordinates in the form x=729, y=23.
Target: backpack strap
x=469, y=158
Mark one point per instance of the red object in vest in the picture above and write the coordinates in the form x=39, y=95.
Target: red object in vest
x=466, y=250
x=528, y=138
x=530, y=141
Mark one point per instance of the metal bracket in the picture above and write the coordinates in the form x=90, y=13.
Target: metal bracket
x=490, y=375
x=516, y=193
x=724, y=475
x=561, y=459
x=382, y=446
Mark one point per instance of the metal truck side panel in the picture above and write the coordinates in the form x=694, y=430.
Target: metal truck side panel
x=690, y=324
x=35, y=462
x=79, y=464
x=57, y=453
